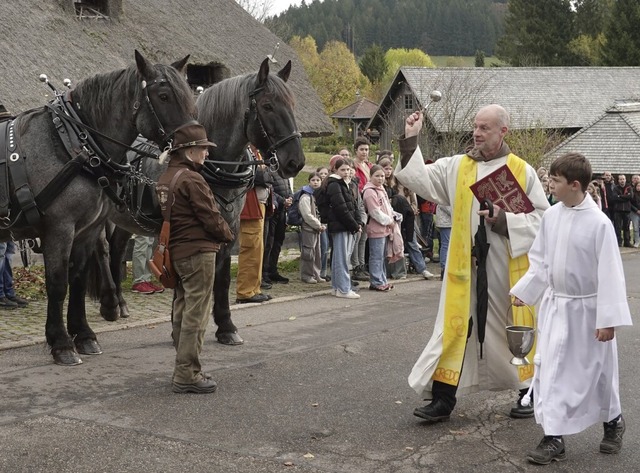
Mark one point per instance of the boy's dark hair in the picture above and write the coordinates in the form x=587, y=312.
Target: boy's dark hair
x=573, y=167
x=361, y=140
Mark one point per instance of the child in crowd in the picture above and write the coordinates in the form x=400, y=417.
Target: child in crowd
x=357, y=258
x=379, y=227
x=594, y=191
x=323, y=172
x=312, y=228
x=343, y=223
x=580, y=279
x=443, y=223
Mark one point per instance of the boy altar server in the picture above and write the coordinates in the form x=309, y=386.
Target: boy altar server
x=579, y=277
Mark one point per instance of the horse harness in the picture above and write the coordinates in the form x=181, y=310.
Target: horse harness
x=86, y=157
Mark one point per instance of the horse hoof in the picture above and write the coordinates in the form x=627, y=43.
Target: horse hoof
x=66, y=358
x=110, y=315
x=88, y=347
x=229, y=338
x=124, y=312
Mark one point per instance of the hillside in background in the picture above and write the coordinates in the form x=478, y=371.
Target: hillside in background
x=438, y=27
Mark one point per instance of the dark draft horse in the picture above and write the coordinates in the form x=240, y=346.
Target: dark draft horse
x=113, y=108
x=254, y=108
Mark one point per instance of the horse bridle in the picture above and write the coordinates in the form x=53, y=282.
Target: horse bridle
x=136, y=107
x=272, y=150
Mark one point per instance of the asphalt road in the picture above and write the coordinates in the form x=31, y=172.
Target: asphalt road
x=319, y=386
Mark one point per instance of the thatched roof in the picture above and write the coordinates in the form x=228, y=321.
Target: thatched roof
x=611, y=142
x=47, y=37
x=544, y=97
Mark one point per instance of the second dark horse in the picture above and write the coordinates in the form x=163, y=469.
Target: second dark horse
x=254, y=108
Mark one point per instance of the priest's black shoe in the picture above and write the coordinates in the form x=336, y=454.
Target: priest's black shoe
x=436, y=411
x=253, y=299
x=265, y=285
x=229, y=338
x=521, y=412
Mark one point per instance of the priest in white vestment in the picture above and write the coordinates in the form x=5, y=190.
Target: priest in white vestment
x=576, y=272
x=510, y=235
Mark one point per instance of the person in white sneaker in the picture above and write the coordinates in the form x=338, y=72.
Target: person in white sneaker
x=343, y=223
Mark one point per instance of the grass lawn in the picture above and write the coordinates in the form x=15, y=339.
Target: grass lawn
x=313, y=161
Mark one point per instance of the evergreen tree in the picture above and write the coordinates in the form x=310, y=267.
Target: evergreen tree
x=479, y=58
x=538, y=33
x=373, y=64
x=622, y=47
x=592, y=16
x=439, y=27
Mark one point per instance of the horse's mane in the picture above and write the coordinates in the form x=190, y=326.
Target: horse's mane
x=231, y=96
x=99, y=89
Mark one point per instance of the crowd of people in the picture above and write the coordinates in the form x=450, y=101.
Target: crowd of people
x=617, y=199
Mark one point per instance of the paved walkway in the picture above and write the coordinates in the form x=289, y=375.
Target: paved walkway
x=21, y=327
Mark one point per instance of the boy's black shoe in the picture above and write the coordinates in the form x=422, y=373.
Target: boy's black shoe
x=436, y=411
x=549, y=449
x=613, y=431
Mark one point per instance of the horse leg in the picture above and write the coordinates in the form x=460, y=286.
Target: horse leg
x=84, y=338
x=108, y=287
x=117, y=248
x=56, y=251
x=227, y=332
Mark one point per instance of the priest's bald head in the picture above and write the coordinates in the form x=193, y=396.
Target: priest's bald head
x=490, y=126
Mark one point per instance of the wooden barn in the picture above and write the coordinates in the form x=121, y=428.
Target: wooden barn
x=78, y=38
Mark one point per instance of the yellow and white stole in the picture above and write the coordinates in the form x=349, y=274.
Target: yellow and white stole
x=457, y=307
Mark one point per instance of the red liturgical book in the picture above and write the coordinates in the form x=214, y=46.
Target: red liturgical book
x=502, y=188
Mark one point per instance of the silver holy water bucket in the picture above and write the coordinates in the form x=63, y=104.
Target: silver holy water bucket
x=520, y=340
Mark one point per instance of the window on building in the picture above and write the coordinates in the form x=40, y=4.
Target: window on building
x=205, y=75
x=97, y=9
x=408, y=102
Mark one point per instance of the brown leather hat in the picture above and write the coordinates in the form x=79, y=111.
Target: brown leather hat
x=191, y=134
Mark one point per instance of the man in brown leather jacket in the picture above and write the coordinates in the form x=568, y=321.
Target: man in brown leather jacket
x=197, y=231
